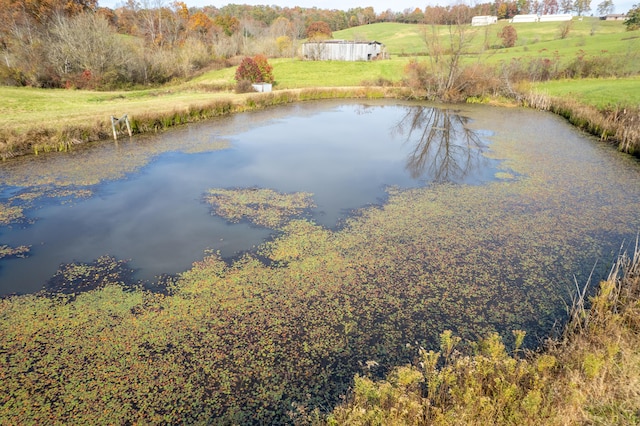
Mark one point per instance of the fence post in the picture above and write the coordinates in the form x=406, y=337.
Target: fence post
x=118, y=121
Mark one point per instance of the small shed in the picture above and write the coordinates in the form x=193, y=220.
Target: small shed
x=342, y=50
x=555, y=18
x=478, y=21
x=524, y=18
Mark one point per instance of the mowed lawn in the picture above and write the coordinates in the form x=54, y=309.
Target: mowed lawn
x=22, y=108
x=601, y=93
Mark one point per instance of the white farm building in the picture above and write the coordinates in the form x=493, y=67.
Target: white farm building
x=478, y=21
x=554, y=18
x=524, y=18
x=342, y=50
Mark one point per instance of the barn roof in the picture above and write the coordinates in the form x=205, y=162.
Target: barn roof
x=333, y=41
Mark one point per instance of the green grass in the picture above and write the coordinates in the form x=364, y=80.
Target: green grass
x=293, y=74
x=590, y=37
x=23, y=108
x=601, y=93
x=408, y=39
x=398, y=38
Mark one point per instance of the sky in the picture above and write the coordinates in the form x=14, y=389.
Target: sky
x=622, y=6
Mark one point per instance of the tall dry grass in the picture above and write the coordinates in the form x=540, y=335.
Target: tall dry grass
x=589, y=374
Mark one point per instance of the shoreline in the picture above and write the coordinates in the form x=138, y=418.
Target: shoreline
x=620, y=127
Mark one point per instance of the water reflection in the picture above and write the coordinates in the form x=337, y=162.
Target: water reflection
x=444, y=148
x=143, y=202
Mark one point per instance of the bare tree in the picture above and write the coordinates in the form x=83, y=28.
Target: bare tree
x=444, y=148
x=85, y=42
x=581, y=6
x=445, y=55
x=606, y=7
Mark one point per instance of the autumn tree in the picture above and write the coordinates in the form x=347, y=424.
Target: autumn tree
x=86, y=45
x=550, y=7
x=319, y=30
x=42, y=11
x=509, y=35
x=23, y=37
x=566, y=6
x=266, y=70
x=200, y=24
x=228, y=23
x=444, y=72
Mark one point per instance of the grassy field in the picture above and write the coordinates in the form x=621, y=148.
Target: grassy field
x=601, y=93
x=24, y=109
x=407, y=39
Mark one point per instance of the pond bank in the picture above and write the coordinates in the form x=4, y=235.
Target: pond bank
x=47, y=139
x=618, y=126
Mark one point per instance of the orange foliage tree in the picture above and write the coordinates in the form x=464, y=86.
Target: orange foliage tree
x=319, y=30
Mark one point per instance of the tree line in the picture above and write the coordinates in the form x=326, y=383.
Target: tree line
x=76, y=43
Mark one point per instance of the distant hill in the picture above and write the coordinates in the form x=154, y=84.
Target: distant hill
x=589, y=36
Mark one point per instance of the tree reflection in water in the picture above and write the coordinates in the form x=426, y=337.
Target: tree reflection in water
x=446, y=150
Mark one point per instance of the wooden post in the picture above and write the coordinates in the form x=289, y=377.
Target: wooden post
x=126, y=120
x=118, y=122
x=113, y=127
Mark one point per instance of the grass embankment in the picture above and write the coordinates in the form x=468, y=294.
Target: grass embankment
x=589, y=375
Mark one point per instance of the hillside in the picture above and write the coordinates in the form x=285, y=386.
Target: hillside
x=590, y=35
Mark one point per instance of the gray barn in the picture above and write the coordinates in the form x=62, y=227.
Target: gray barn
x=342, y=50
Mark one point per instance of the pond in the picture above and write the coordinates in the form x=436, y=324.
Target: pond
x=287, y=249
x=153, y=214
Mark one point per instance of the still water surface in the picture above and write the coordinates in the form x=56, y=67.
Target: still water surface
x=146, y=195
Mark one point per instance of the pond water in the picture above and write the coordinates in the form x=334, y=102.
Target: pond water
x=329, y=238
x=142, y=200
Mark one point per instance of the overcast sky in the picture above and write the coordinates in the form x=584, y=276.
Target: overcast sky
x=622, y=6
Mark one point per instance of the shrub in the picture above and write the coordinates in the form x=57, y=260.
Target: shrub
x=255, y=70
x=565, y=29
x=248, y=70
x=417, y=75
x=595, y=66
x=11, y=76
x=509, y=35
x=244, y=86
x=266, y=70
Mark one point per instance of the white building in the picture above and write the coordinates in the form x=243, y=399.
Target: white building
x=342, y=50
x=524, y=18
x=478, y=21
x=554, y=18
